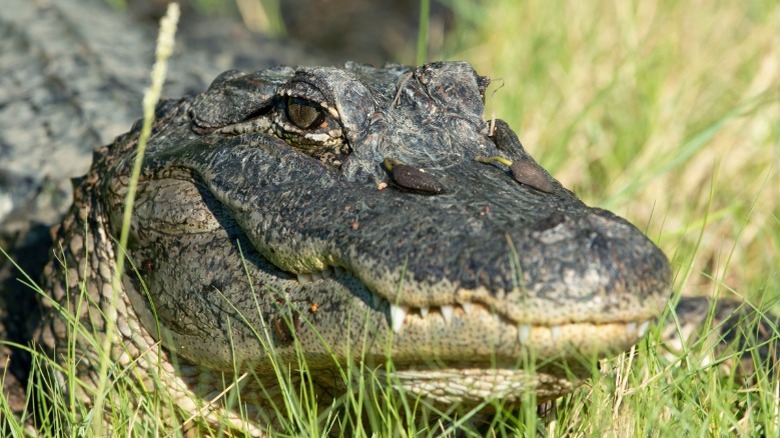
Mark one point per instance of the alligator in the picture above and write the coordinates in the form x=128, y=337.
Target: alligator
x=267, y=218
x=345, y=214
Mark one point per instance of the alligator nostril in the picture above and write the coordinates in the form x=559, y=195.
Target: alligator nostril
x=412, y=178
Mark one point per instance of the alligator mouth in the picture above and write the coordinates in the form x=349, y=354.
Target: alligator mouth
x=543, y=360
x=527, y=334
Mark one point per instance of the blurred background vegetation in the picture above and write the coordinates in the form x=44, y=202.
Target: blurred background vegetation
x=666, y=112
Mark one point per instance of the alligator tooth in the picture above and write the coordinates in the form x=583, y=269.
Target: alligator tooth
x=327, y=273
x=631, y=327
x=338, y=270
x=643, y=328
x=423, y=311
x=447, y=312
x=466, y=307
x=304, y=278
x=555, y=332
x=397, y=315
x=523, y=333
x=376, y=301
x=316, y=276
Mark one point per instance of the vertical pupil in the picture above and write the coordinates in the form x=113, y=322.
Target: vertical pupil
x=302, y=113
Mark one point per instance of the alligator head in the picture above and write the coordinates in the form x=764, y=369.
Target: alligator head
x=347, y=213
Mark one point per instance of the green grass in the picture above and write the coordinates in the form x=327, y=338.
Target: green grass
x=667, y=113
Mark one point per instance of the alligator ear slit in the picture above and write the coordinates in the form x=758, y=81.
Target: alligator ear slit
x=202, y=128
x=260, y=112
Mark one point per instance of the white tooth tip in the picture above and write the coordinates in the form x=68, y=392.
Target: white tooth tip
x=447, y=312
x=631, y=328
x=555, y=332
x=424, y=311
x=643, y=328
x=304, y=278
x=466, y=307
x=523, y=333
x=316, y=276
x=397, y=315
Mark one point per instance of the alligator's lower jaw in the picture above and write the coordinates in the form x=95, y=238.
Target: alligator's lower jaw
x=482, y=340
x=546, y=364
x=482, y=388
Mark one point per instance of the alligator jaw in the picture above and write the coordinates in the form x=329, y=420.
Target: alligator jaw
x=528, y=334
x=547, y=360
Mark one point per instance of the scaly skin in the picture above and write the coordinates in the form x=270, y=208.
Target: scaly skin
x=266, y=215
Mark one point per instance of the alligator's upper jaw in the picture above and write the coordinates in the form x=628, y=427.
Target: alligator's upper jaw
x=532, y=257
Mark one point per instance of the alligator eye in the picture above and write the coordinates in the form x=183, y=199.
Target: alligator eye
x=304, y=114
